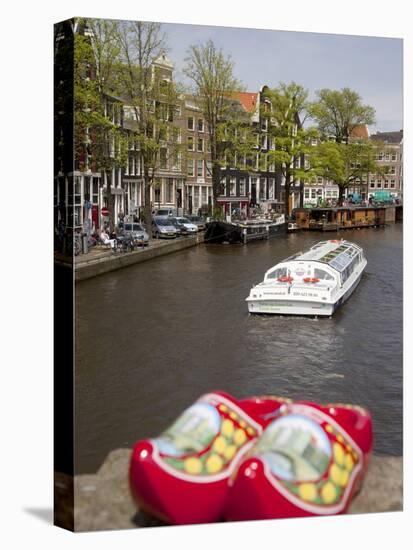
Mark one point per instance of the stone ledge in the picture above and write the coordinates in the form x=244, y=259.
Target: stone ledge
x=103, y=500
x=86, y=269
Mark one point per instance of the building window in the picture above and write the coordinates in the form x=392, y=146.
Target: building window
x=204, y=195
x=157, y=194
x=163, y=159
x=176, y=135
x=176, y=160
x=190, y=123
x=196, y=195
x=262, y=188
x=200, y=125
x=271, y=188
x=232, y=187
x=393, y=184
x=169, y=191
x=95, y=190
x=379, y=184
x=190, y=167
x=386, y=184
x=306, y=193
x=200, y=147
x=200, y=168
x=242, y=187
x=209, y=168
x=190, y=143
x=224, y=189
x=394, y=157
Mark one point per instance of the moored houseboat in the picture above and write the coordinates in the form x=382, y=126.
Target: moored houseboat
x=244, y=231
x=339, y=218
x=313, y=283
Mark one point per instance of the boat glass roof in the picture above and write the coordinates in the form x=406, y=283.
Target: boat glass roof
x=327, y=252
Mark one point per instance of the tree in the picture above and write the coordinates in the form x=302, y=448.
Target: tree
x=152, y=97
x=346, y=164
x=338, y=112
x=228, y=125
x=292, y=142
x=99, y=138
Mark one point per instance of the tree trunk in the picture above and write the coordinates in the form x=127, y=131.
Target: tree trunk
x=109, y=198
x=216, y=187
x=301, y=194
x=147, y=210
x=340, y=195
x=287, y=194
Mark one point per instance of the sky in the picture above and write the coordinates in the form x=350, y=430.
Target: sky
x=372, y=66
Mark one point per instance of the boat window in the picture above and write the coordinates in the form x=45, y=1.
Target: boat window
x=280, y=272
x=323, y=275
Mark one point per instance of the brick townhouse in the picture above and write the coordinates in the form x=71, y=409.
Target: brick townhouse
x=390, y=157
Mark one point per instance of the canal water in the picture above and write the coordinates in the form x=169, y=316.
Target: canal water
x=153, y=337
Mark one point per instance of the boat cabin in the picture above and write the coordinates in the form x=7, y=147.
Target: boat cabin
x=327, y=263
x=332, y=219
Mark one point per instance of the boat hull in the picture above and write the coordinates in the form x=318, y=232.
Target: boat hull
x=285, y=306
x=219, y=232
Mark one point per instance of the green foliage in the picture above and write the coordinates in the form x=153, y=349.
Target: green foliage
x=151, y=96
x=99, y=141
x=284, y=110
x=215, y=91
x=346, y=164
x=338, y=112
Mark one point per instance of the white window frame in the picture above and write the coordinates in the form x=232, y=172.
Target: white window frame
x=199, y=163
x=191, y=162
x=232, y=187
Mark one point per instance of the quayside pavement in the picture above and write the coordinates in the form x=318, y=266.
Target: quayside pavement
x=102, y=260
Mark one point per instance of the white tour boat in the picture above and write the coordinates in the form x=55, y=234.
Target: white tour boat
x=315, y=282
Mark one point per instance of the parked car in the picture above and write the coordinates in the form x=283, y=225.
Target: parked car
x=198, y=221
x=162, y=228
x=181, y=229
x=165, y=212
x=136, y=232
x=183, y=225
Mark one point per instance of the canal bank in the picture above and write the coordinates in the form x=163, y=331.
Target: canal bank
x=90, y=265
x=103, y=500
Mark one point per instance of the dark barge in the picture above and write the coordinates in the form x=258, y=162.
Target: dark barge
x=218, y=232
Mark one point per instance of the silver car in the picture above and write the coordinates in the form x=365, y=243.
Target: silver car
x=136, y=232
x=190, y=227
x=162, y=228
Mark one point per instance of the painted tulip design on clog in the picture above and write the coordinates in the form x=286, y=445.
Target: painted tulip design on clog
x=309, y=461
x=182, y=476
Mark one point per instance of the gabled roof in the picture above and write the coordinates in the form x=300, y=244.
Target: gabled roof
x=388, y=137
x=360, y=132
x=163, y=61
x=249, y=100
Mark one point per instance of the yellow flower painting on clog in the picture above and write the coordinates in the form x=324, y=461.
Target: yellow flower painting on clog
x=308, y=457
x=205, y=439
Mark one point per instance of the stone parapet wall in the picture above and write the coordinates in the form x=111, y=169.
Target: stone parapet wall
x=103, y=500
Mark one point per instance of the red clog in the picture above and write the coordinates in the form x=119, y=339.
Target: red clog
x=309, y=461
x=182, y=476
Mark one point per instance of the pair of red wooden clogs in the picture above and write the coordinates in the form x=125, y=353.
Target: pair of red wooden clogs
x=257, y=458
